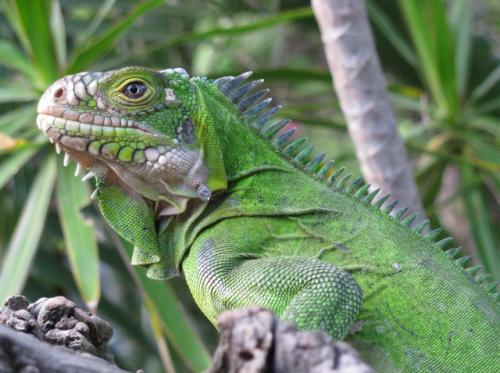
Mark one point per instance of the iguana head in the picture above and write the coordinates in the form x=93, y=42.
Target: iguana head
x=132, y=128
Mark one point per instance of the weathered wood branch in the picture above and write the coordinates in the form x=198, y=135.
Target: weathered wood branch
x=253, y=340
x=52, y=335
x=80, y=338
x=360, y=87
x=21, y=352
x=58, y=321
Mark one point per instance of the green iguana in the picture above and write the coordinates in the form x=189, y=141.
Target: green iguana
x=199, y=178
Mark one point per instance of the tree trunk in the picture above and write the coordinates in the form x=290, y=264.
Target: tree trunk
x=360, y=86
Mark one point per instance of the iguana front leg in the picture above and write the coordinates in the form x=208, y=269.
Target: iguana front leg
x=223, y=272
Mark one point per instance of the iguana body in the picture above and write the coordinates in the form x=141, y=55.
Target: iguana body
x=195, y=174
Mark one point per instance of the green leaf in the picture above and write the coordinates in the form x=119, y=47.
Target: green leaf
x=10, y=11
x=12, y=58
x=258, y=25
x=159, y=333
x=486, y=123
x=12, y=163
x=488, y=107
x=405, y=102
x=16, y=120
x=493, y=183
x=58, y=32
x=79, y=235
x=24, y=242
x=486, y=85
x=397, y=40
x=88, y=53
x=336, y=122
x=290, y=74
x=10, y=92
x=460, y=16
x=33, y=18
x=160, y=295
x=178, y=327
x=485, y=150
x=479, y=221
x=429, y=178
x=100, y=15
x=428, y=25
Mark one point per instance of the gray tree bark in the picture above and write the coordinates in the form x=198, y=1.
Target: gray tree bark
x=58, y=321
x=24, y=353
x=253, y=340
x=52, y=335
x=360, y=87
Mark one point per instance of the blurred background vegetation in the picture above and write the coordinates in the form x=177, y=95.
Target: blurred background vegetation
x=442, y=65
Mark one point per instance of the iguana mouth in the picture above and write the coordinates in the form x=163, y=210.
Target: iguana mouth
x=106, y=141
x=98, y=135
x=111, y=142
x=93, y=139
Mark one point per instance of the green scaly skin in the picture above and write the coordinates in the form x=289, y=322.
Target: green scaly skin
x=195, y=174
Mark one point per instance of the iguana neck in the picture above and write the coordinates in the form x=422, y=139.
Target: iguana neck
x=240, y=148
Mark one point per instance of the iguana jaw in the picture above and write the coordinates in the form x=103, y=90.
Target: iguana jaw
x=101, y=137
x=97, y=142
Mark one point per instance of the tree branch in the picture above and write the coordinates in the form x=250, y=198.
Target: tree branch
x=360, y=86
x=21, y=352
x=47, y=322
x=253, y=340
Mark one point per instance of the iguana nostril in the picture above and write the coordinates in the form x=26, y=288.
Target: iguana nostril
x=58, y=93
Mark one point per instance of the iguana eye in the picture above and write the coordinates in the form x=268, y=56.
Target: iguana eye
x=134, y=89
